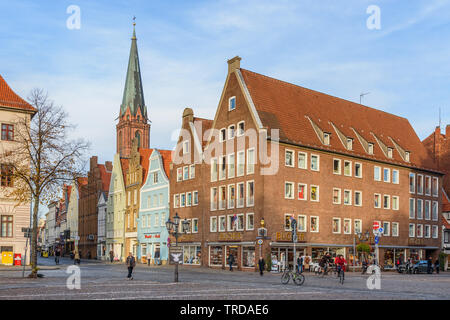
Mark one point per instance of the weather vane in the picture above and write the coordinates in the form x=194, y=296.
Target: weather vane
x=134, y=20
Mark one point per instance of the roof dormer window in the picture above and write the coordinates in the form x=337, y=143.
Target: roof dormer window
x=326, y=138
x=370, y=148
x=389, y=153
x=349, y=143
x=232, y=103
x=407, y=156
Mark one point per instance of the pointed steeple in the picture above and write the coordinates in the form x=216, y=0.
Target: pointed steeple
x=133, y=94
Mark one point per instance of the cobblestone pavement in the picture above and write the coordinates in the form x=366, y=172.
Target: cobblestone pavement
x=108, y=281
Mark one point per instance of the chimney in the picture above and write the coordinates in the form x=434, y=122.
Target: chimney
x=234, y=63
x=93, y=162
x=447, y=131
x=188, y=116
x=108, y=165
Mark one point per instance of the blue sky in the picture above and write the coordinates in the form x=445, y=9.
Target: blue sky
x=183, y=48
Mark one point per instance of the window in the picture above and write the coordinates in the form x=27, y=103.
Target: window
x=7, y=132
x=370, y=148
x=250, y=193
x=195, y=198
x=326, y=138
x=231, y=196
x=231, y=131
x=214, y=198
x=156, y=219
x=377, y=200
x=420, y=184
x=289, y=190
x=377, y=173
x=395, y=203
x=301, y=223
x=214, y=169
x=6, y=172
x=336, y=196
x=419, y=209
x=302, y=160
x=412, y=183
x=389, y=152
x=179, y=174
x=213, y=224
x=428, y=185
x=222, y=197
x=176, y=201
x=232, y=104
x=250, y=224
x=435, y=211
x=222, y=221
x=427, y=231
x=407, y=156
x=358, y=198
x=314, y=224
x=395, y=229
x=223, y=135
x=183, y=200
x=435, y=187
x=411, y=230
x=192, y=171
x=231, y=166
x=287, y=222
x=419, y=231
x=358, y=225
x=314, y=196
x=240, y=163
x=161, y=197
x=336, y=226
x=155, y=178
x=358, y=170
x=189, y=199
x=386, y=202
x=186, y=147
x=6, y=226
x=347, y=197
x=240, y=222
x=386, y=175
x=427, y=210
x=349, y=143
x=251, y=161
x=232, y=221
x=241, y=129
x=386, y=229
x=135, y=197
x=129, y=197
x=223, y=168
x=314, y=162
x=289, y=158
x=348, y=168
x=395, y=176
x=195, y=225
x=302, y=189
x=163, y=219
x=435, y=232
x=412, y=208
x=336, y=166
x=240, y=195
x=347, y=226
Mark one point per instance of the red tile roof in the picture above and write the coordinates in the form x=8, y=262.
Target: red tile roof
x=8, y=98
x=145, y=156
x=105, y=175
x=285, y=106
x=445, y=203
x=166, y=159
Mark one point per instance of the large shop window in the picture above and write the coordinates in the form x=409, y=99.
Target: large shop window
x=216, y=256
x=192, y=255
x=248, y=257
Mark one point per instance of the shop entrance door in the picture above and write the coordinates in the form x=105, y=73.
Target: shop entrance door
x=234, y=251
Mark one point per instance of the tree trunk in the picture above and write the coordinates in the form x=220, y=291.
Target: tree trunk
x=33, y=259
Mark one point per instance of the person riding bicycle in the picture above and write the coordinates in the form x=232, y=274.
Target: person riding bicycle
x=326, y=259
x=340, y=263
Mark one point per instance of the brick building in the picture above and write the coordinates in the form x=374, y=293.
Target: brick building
x=277, y=151
x=98, y=179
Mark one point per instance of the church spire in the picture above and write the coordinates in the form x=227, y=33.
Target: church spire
x=133, y=94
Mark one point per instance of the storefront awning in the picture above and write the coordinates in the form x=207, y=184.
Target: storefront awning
x=290, y=244
x=249, y=243
x=407, y=247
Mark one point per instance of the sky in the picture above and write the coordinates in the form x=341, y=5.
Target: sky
x=184, y=46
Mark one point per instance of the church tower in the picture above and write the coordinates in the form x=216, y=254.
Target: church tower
x=133, y=119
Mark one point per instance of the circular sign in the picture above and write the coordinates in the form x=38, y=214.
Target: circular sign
x=376, y=225
x=260, y=242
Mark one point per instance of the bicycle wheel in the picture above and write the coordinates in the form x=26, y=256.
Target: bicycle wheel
x=341, y=277
x=285, y=278
x=299, y=279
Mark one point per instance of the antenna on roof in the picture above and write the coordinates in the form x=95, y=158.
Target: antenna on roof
x=362, y=95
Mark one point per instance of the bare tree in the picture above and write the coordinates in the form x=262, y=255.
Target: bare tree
x=42, y=159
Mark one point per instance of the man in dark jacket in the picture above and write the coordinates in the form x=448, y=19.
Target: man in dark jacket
x=231, y=261
x=57, y=255
x=429, y=265
x=131, y=263
x=436, y=265
x=299, y=264
x=261, y=264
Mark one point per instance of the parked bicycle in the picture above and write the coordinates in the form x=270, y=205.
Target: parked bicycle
x=297, y=278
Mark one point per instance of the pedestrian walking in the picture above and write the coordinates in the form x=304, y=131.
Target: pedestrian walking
x=429, y=265
x=299, y=264
x=436, y=265
x=230, y=261
x=57, y=255
x=261, y=264
x=76, y=257
x=149, y=258
x=131, y=263
x=111, y=256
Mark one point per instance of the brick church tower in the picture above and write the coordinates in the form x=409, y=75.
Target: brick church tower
x=133, y=119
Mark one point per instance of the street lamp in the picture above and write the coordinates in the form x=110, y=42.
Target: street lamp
x=173, y=229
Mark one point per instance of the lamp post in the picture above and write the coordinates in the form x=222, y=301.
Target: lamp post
x=174, y=230
x=294, y=240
